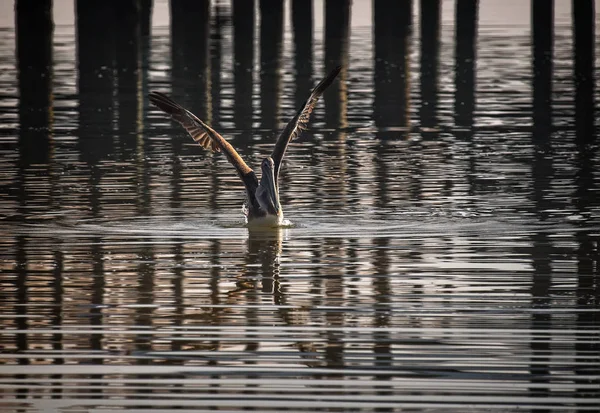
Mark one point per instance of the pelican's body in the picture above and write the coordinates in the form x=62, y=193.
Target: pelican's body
x=262, y=207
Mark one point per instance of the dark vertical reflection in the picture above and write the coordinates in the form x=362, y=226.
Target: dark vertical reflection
x=271, y=41
x=382, y=194
x=465, y=55
x=57, y=318
x=216, y=47
x=265, y=247
x=143, y=176
x=21, y=309
x=96, y=37
x=415, y=165
x=464, y=82
x=215, y=311
x=542, y=172
x=269, y=243
x=178, y=292
x=145, y=22
x=472, y=155
x=337, y=39
x=34, y=33
x=584, y=17
x=334, y=296
x=430, y=50
x=143, y=145
x=391, y=36
x=128, y=71
x=541, y=319
x=542, y=16
x=215, y=277
x=248, y=285
x=96, y=315
x=302, y=27
x=190, y=76
x=382, y=291
x=586, y=201
x=96, y=43
x=243, y=54
x=542, y=277
x=145, y=299
x=337, y=44
x=587, y=346
x=392, y=31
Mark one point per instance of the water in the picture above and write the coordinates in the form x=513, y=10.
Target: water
x=429, y=264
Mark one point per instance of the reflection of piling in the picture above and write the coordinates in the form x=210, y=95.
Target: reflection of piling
x=542, y=15
x=34, y=29
x=178, y=290
x=430, y=48
x=337, y=36
x=146, y=33
x=583, y=40
x=190, y=24
x=392, y=31
x=128, y=66
x=21, y=299
x=586, y=201
x=382, y=347
x=302, y=26
x=542, y=12
x=145, y=299
x=541, y=319
x=215, y=252
x=98, y=285
x=190, y=74
x=588, y=274
x=216, y=57
x=587, y=349
x=143, y=145
x=271, y=40
x=247, y=287
x=146, y=19
x=243, y=52
x=466, y=43
x=57, y=316
x=334, y=292
x=391, y=35
x=34, y=32
x=96, y=59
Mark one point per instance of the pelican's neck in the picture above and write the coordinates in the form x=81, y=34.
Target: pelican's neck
x=267, y=193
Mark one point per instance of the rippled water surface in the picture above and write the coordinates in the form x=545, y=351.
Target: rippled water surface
x=442, y=249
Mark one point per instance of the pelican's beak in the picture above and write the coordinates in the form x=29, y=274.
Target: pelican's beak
x=267, y=181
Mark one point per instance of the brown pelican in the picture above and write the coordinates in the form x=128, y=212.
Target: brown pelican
x=262, y=205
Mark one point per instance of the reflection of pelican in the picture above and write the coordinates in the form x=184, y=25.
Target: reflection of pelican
x=262, y=204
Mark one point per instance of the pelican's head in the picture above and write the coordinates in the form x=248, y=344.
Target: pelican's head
x=267, y=193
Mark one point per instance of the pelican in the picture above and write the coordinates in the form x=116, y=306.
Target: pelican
x=262, y=206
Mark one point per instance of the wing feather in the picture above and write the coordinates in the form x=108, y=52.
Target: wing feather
x=203, y=134
x=299, y=122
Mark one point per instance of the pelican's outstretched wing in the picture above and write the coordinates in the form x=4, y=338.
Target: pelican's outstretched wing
x=206, y=136
x=300, y=121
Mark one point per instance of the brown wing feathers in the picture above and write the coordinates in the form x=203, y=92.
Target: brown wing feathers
x=187, y=119
x=306, y=110
x=206, y=137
